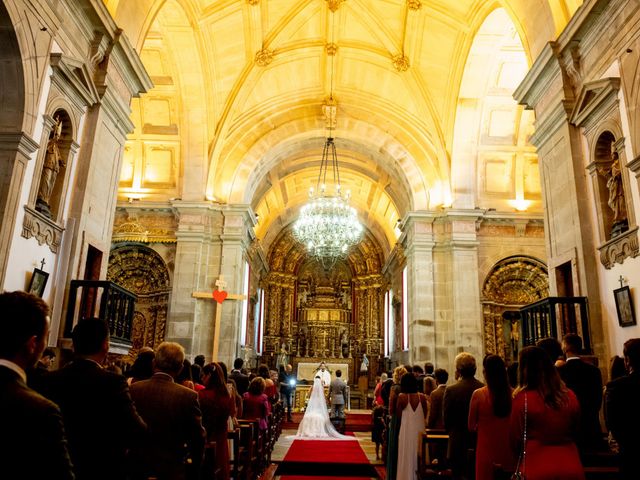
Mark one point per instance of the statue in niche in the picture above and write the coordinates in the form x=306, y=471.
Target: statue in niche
x=616, y=200
x=302, y=298
x=52, y=163
x=344, y=343
x=283, y=357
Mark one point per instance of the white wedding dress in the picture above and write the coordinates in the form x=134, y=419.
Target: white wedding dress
x=315, y=424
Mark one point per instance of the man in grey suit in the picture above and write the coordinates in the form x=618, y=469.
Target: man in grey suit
x=175, y=442
x=337, y=394
x=457, y=398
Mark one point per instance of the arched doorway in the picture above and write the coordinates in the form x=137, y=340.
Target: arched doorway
x=142, y=270
x=512, y=283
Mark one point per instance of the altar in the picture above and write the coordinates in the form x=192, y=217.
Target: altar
x=302, y=394
x=307, y=370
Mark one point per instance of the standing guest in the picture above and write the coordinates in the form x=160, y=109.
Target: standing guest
x=617, y=369
x=142, y=367
x=457, y=398
x=233, y=391
x=32, y=440
x=552, y=416
x=184, y=378
x=36, y=374
x=199, y=360
x=585, y=380
x=217, y=407
x=411, y=410
x=173, y=416
x=99, y=416
x=623, y=416
x=418, y=372
x=385, y=390
x=338, y=393
x=240, y=379
x=553, y=348
x=255, y=404
x=287, y=389
x=429, y=379
x=512, y=374
x=377, y=427
x=489, y=415
x=377, y=391
x=435, y=419
x=270, y=389
x=394, y=423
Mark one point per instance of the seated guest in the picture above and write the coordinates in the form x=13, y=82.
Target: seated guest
x=270, y=389
x=435, y=418
x=99, y=416
x=255, y=404
x=217, y=407
x=622, y=413
x=489, y=415
x=585, y=380
x=457, y=398
x=174, y=420
x=241, y=380
x=552, y=416
x=411, y=410
x=32, y=440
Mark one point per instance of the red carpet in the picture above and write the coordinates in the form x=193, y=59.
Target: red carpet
x=335, y=451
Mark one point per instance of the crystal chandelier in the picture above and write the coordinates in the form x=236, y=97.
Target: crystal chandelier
x=327, y=225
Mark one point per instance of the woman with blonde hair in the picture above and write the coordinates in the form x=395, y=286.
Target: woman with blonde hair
x=394, y=424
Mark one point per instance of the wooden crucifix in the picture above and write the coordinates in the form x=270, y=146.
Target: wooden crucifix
x=219, y=295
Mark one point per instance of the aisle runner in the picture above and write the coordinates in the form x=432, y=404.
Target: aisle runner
x=338, y=459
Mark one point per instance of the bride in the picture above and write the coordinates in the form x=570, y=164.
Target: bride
x=315, y=424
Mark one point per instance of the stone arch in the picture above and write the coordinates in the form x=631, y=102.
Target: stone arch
x=142, y=270
x=12, y=87
x=513, y=282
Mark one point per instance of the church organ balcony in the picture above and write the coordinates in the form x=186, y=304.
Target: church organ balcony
x=106, y=300
x=555, y=317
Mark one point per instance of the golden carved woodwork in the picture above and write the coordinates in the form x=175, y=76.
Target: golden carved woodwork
x=153, y=226
x=512, y=283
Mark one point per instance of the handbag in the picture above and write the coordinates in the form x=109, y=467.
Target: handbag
x=520, y=466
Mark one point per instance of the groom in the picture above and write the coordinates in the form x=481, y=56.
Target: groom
x=337, y=393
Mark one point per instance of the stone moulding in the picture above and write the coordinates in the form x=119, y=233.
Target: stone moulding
x=619, y=248
x=45, y=230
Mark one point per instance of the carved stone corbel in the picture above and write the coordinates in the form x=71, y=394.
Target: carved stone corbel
x=619, y=248
x=45, y=230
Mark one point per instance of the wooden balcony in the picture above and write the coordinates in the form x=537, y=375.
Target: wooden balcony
x=106, y=300
x=555, y=317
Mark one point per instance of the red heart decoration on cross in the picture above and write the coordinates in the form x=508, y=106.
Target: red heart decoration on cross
x=219, y=295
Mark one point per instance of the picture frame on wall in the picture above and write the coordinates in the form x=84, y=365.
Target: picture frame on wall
x=624, y=307
x=38, y=282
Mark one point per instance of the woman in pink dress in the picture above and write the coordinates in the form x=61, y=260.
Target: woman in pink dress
x=550, y=412
x=255, y=404
x=489, y=415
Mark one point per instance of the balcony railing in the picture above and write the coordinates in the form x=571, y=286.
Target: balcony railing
x=555, y=317
x=102, y=299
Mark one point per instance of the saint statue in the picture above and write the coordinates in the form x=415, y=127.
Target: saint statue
x=364, y=366
x=283, y=358
x=616, y=200
x=52, y=163
x=344, y=344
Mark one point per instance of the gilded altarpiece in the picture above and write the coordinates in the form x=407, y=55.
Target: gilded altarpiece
x=512, y=283
x=141, y=270
x=315, y=314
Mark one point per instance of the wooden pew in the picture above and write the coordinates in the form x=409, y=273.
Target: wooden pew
x=429, y=465
x=210, y=470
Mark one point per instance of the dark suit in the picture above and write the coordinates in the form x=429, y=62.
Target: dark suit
x=241, y=380
x=457, y=398
x=623, y=419
x=172, y=413
x=32, y=439
x=99, y=417
x=586, y=382
x=435, y=418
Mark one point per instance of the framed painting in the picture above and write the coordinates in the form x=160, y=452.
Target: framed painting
x=624, y=307
x=38, y=282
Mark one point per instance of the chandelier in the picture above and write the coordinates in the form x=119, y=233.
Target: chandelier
x=327, y=225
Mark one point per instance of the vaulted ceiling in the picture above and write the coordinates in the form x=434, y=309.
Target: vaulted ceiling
x=245, y=90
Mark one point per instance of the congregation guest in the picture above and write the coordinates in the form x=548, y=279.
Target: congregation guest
x=217, y=407
x=411, y=409
x=385, y=390
x=489, y=414
x=553, y=348
x=99, y=416
x=199, y=360
x=255, y=404
x=142, y=367
x=173, y=448
x=240, y=379
x=622, y=413
x=394, y=423
x=457, y=398
x=435, y=418
x=617, y=369
x=36, y=374
x=287, y=389
x=233, y=391
x=270, y=389
x=184, y=378
x=377, y=427
x=512, y=374
x=585, y=380
x=32, y=438
x=552, y=413
x=377, y=391
x=429, y=384
x=418, y=372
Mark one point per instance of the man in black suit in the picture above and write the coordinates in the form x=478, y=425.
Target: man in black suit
x=32, y=439
x=241, y=380
x=457, y=398
x=174, y=445
x=622, y=413
x=99, y=415
x=586, y=382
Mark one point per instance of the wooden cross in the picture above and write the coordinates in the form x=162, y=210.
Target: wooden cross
x=219, y=295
